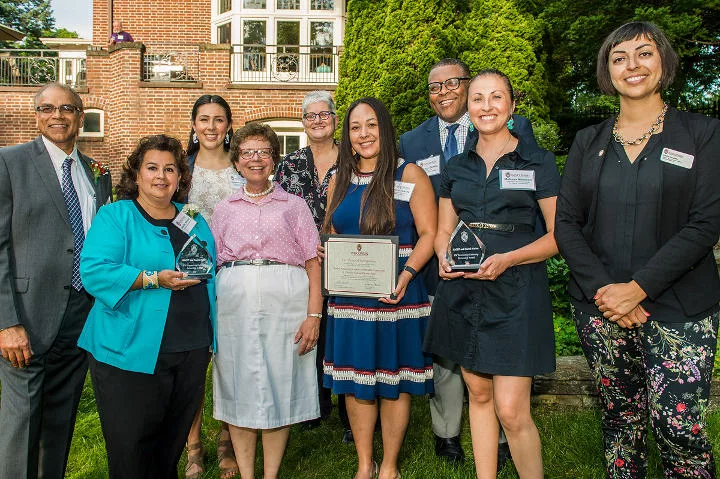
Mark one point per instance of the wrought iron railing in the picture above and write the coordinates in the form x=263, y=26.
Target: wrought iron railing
x=36, y=67
x=284, y=64
x=171, y=62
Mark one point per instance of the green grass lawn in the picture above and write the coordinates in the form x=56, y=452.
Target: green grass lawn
x=572, y=446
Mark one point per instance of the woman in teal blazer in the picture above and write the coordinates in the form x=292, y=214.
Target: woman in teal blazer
x=150, y=329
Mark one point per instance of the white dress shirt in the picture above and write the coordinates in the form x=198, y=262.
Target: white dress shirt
x=83, y=186
x=461, y=132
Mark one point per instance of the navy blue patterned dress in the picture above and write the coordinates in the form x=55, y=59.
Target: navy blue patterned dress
x=374, y=349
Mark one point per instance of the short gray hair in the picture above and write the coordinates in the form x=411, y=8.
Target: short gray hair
x=318, y=96
x=77, y=101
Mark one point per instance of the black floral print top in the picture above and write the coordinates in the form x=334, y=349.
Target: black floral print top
x=297, y=174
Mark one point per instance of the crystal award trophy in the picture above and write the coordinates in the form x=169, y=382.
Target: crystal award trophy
x=194, y=259
x=465, y=251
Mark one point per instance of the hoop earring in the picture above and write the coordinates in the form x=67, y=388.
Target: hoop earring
x=195, y=138
x=510, y=123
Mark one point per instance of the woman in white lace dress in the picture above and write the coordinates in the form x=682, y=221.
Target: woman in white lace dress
x=214, y=178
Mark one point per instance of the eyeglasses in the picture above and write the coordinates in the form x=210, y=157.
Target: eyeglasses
x=324, y=115
x=262, y=153
x=450, y=84
x=63, y=109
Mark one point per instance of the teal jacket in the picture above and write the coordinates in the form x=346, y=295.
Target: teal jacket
x=125, y=328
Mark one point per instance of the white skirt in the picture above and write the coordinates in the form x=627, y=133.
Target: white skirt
x=259, y=380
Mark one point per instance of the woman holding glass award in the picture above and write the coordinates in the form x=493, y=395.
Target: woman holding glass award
x=269, y=306
x=374, y=347
x=150, y=328
x=495, y=318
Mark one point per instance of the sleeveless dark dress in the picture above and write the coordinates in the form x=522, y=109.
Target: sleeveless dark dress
x=374, y=349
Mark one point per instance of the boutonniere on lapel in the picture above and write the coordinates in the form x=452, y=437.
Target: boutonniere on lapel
x=98, y=169
x=191, y=210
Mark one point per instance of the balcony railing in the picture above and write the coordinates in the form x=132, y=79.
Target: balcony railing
x=169, y=62
x=284, y=64
x=36, y=67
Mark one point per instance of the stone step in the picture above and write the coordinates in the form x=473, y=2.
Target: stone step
x=572, y=385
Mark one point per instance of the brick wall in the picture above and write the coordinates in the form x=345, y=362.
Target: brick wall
x=134, y=108
x=152, y=21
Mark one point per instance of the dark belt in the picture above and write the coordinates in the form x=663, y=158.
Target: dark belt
x=507, y=227
x=250, y=262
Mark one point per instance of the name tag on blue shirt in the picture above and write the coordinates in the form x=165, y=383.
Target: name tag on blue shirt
x=431, y=165
x=517, y=180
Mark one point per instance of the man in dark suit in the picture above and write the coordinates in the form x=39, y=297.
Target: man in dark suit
x=49, y=194
x=429, y=146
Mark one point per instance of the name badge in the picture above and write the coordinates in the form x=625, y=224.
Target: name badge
x=677, y=158
x=403, y=190
x=517, y=180
x=236, y=181
x=431, y=165
x=184, y=222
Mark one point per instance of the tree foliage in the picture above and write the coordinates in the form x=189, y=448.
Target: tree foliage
x=390, y=46
x=32, y=17
x=575, y=31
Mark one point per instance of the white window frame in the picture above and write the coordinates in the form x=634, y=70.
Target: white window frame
x=94, y=134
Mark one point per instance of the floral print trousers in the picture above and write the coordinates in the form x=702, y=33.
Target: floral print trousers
x=661, y=372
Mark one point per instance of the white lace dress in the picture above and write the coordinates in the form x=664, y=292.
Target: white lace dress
x=209, y=187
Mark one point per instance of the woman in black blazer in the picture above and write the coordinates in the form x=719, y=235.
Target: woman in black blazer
x=637, y=216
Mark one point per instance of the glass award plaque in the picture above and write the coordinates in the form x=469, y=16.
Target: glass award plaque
x=465, y=251
x=194, y=259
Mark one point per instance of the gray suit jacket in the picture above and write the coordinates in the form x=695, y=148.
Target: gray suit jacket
x=36, y=241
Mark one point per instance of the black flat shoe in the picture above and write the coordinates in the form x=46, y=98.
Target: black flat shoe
x=347, y=437
x=449, y=449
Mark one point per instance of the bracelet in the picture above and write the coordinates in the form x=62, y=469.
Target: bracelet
x=410, y=270
x=150, y=280
x=315, y=315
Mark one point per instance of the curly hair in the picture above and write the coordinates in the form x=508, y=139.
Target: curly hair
x=251, y=130
x=127, y=188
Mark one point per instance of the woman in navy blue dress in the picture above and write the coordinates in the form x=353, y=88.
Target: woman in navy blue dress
x=374, y=347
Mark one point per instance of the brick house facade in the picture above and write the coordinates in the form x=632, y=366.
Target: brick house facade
x=132, y=90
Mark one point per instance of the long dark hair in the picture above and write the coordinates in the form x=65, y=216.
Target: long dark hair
x=377, y=207
x=193, y=147
x=127, y=188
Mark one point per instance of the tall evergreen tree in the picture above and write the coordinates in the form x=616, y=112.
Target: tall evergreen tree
x=31, y=17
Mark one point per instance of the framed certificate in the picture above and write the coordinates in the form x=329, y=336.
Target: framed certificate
x=360, y=265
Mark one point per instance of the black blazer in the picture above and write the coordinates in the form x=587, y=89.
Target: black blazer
x=688, y=214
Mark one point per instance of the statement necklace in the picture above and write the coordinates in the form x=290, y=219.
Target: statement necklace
x=655, y=127
x=262, y=193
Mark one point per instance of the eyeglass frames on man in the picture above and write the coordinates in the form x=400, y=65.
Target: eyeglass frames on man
x=324, y=115
x=63, y=109
x=262, y=153
x=450, y=84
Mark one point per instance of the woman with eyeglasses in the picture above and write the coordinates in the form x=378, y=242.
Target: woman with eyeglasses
x=269, y=306
x=306, y=173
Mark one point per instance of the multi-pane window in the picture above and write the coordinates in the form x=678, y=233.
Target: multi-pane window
x=288, y=4
x=322, y=4
x=254, y=41
x=321, y=41
x=223, y=33
x=224, y=6
x=255, y=4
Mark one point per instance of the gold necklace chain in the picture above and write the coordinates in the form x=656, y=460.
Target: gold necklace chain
x=655, y=127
